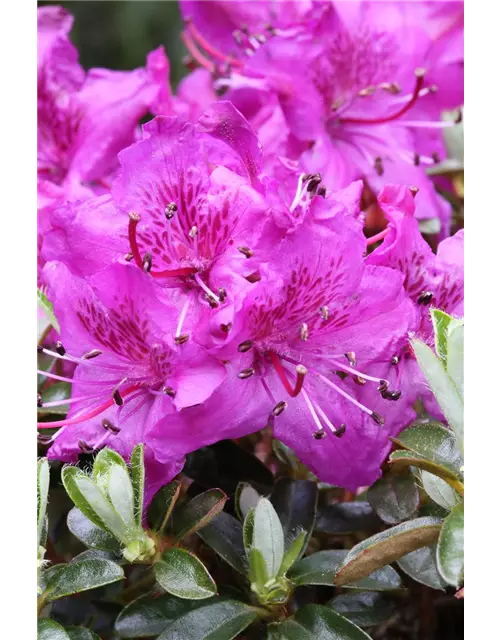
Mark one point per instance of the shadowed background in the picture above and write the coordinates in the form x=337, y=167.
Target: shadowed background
x=119, y=35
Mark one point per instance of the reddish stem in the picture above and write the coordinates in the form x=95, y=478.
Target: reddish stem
x=173, y=273
x=132, y=239
x=293, y=392
x=377, y=237
x=197, y=55
x=209, y=48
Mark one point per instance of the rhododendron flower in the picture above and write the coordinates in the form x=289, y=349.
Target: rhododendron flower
x=130, y=370
x=317, y=319
x=430, y=280
x=83, y=119
x=348, y=89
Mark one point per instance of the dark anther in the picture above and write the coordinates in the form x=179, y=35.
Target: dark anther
x=279, y=408
x=91, y=354
x=321, y=192
x=413, y=191
x=391, y=87
x=128, y=257
x=43, y=439
x=395, y=360
x=211, y=302
x=117, y=398
x=170, y=210
x=378, y=418
x=184, y=337
x=416, y=159
x=435, y=157
x=459, y=117
x=379, y=166
x=84, y=447
x=391, y=395
x=246, y=373
x=341, y=374
x=383, y=386
x=226, y=328
x=248, y=253
x=425, y=297
x=40, y=348
x=168, y=391
x=314, y=181
x=222, y=293
x=351, y=358
x=59, y=348
x=243, y=347
x=253, y=277
x=304, y=332
x=39, y=401
x=109, y=426
x=319, y=435
x=340, y=431
x=324, y=312
x=359, y=380
x=147, y=262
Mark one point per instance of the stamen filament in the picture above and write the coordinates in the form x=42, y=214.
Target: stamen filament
x=182, y=317
x=208, y=291
x=315, y=417
x=377, y=237
x=209, y=48
x=345, y=394
x=196, y=54
x=60, y=403
x=53, y=376
x=325, y=418
x=301, y=374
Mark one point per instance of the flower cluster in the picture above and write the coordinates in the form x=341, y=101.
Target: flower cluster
x=210, y=274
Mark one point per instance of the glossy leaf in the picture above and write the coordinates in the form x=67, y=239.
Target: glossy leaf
x=162, y=505
x=288, y=630
x=80, y=575
x=346, y=517
x=323, y=622
x=182, y=574
x=450, y=549
x=295, y=502
x=224, y=534
x=245, y=498
x=80, y=633
x=318, y=568
x=383, y=579
x=51, y=630
x=386, y=547
x=421, y=565
x=137, y=473
x=394, y=497
x=268, y=537
x=90, y=534
x=442, y=386
x=148, y=616
x=439, y=490
x=406, y=459
x=198, y=512
x=216, y=620
x=363, y=608
x=42, y=494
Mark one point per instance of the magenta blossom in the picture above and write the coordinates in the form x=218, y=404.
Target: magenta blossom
x=431, y=281
x=130, y=368
x=300, y=349
x=84, y=120
x=348, y=89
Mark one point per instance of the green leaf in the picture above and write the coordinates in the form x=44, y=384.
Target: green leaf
x=162, y=505
x=421, y=565
x=268, y=536
x=386, y=547
x=103, y=462
x=80, y=633
x=55, y=393
x=198, y=512
x=320, y=569
x=364, y=608
x=455, y=364
x=394, y=497
x=137, y=473
x=288, y=630
x=121, y=494
x=258, y=569
x=224, y=534
x=182, y=574
x=346, y=517
x=293, y=553
x=80, y=575
x=442, y=386
x=450, y=549
x=323, y=622
x=51, y=630
x=434, y=442
x=42, y=494
x=216, y=620
x=245, y=498
x=405, y=459
x=441, y=323
x=148, y=616
x=439, y=490
x=90, y=534
x=46, y=306
x=248, y=530
x=91, y=501
x=295, y=502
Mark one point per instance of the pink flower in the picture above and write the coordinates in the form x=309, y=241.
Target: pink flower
x=131, y=369
x=429, y=280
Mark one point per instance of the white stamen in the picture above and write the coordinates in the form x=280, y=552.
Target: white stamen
x=182, y=317
x=205, y=288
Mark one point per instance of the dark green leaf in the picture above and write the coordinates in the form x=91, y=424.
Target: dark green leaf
x=383, y=579
x=149, y=616
x=323, y=622
x=346, y=517
x=91, y=535
x=51, y=630
x=80, y=633
x=183, y=575
x=295, y=502
x=138, y=474
x=162, y=505
x=224, y=534
x=364, y=608
x=216, y=620
x=421, y=565
x=434, y=442
x=55, y=393
x=268, y=536
x=386, y=547
x=407, y=459
x=450, y=549
x=439, y=490
x=198, y=512
x=289, y=630
x=394, y=497
x=81, y=575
